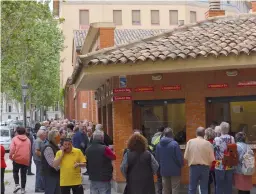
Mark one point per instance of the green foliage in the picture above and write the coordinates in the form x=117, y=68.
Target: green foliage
x=31, y=42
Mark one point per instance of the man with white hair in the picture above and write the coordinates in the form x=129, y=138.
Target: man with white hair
x=223, y=172
x=38, y=147
x=99, y=164
x=107, y=140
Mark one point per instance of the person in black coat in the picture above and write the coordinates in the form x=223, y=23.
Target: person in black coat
x=31, y=138
x=139, y=166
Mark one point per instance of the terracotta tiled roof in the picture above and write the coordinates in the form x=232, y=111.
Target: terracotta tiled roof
x=122, y=36
x=216, y=36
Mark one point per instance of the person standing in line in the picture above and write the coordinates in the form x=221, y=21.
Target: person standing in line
x=154, y=142
x=31, y=138
x=107, y=140
x=209, y=136
x=170, y=159
x=38, y=147
x=3, y=166
x=200, y=155
x=89, y=135
x=51, y=174
x=78, y=140
x=99, y=164
x=70, y=160
x=20, y=150
x=223, y=173
x=139, y=166
x=242, y=182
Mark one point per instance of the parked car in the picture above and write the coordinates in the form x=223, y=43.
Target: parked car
x=5, y=137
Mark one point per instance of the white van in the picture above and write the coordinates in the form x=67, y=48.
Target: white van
x=5, y=137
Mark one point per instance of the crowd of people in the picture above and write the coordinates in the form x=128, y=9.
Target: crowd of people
x=59, y=150
x=217, y=161
x=62, y=148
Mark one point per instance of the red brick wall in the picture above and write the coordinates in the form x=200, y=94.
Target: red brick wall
x=106, y=36
x=193, y=89
x=71, y=103
x=214, y=13
x=122, y=129
x=254, y=6
x=56, y=8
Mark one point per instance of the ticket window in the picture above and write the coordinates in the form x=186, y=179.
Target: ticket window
x=240, y=112
x=155, y=114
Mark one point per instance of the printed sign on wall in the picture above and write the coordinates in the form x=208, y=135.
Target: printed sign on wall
x=122, y=81
x=144, y=89
x=117, y=98
x=212, y=86
x=84, y=105
x=246, y=84
x=121, y=90
x=170, y=88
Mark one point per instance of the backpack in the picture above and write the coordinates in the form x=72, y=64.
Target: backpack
x=248, y=161
x=230, y=155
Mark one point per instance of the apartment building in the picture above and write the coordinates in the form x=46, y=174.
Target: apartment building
x=154, y=14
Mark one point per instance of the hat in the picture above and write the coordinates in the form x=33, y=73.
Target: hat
x=43, y=128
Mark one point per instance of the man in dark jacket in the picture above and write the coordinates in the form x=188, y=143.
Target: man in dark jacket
x=79, y=140
x=99, y=164
x=170, y=158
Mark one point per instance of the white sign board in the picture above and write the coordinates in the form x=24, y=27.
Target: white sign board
x=84, y=105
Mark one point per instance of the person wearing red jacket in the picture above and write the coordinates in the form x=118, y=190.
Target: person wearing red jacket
x=3, y=166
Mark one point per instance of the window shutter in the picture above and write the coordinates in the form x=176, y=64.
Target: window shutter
x=155, y=17
x=135, y=17
x=84, y=17
x=173, y=17
x=193, y=17
x=117, y=17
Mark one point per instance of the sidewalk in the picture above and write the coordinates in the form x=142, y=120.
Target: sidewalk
x=30, y=186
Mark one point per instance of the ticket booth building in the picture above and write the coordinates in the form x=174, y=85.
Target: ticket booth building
x=189, y=77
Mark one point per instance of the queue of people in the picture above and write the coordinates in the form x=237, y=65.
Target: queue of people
x=216, y=160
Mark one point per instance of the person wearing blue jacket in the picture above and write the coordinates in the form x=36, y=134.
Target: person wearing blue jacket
x=79, y=140
x=170, y=159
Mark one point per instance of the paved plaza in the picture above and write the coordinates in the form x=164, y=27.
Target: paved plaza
x=30, y=186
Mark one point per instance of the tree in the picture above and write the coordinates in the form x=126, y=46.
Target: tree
x=31, y=42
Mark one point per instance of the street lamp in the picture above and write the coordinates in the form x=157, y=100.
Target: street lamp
x=24, y=98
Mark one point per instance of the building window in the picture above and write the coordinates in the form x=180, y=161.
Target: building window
x=240, y=112
x=193, y=17
x=117, y=17
x=9, y=108
x=9, y=116
x=83, y=18
x=155, y=17
x=173, y=17
x=136, y=17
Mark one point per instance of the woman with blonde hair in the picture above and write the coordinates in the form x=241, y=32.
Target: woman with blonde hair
x=139, y=166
